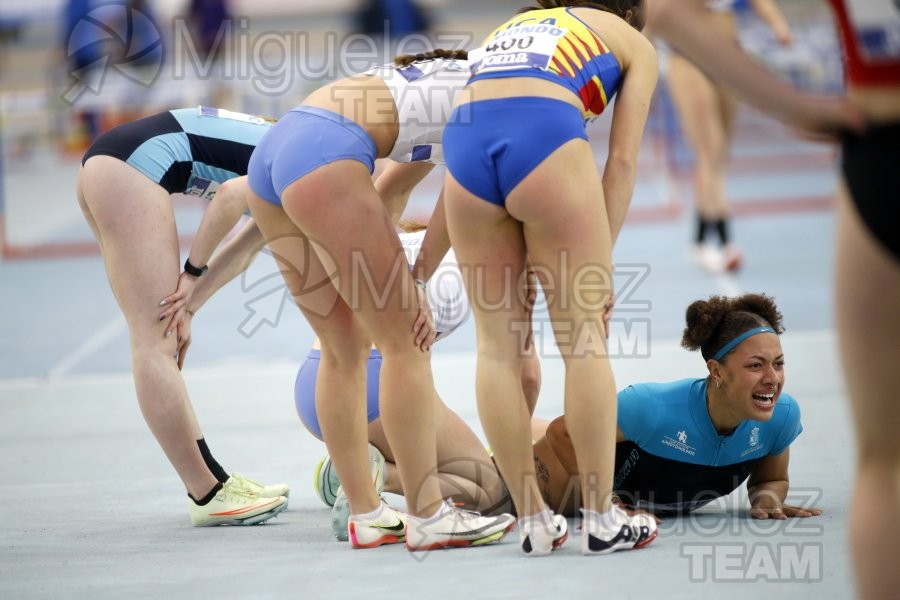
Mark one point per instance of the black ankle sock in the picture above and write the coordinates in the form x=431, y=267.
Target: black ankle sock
x=702, y=226
x=722, y=229
x=207, y=498
x=211, y=463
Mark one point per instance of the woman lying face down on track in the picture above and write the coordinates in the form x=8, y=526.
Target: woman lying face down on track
x=682, y=444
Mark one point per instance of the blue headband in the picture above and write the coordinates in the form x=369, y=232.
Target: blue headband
x=730, y=345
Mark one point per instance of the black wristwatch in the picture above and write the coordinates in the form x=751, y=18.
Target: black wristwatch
x=192, y=270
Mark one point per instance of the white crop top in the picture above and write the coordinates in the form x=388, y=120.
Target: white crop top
x=424, y=93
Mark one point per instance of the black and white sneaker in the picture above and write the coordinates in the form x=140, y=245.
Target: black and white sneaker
x=540, y=538
x=624, y=533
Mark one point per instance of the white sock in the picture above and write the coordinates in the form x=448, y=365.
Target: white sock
x=371, y=516
x=437, y=513
x=542, y=519
x=608, y=520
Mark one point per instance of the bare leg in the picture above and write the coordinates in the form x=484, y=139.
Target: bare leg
x=491, y=251
x=570, y=246
x=133, y=220
x=464, y=461
x=706, y=115
x=557, y=472
x=378, y=288
x=465, y=470
x=538, y=428
x=531, y=378
x=868, y=318
x=340, y=385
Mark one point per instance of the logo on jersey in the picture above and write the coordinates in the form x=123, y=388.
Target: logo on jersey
x=754, y=436
x=753, y=442
x=680, y=443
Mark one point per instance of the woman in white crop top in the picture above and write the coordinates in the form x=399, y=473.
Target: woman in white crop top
x=312, y=188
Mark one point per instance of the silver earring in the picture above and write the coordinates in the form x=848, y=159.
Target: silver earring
x=718, y=384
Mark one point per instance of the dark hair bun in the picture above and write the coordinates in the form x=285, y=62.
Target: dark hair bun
x=710, y=324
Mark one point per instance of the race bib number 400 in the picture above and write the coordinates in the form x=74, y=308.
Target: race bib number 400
x=876, y=25
x=525, y=46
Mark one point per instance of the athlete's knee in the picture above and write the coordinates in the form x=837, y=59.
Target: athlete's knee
x=153, y=346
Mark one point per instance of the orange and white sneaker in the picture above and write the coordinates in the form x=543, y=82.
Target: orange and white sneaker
x=389, y=527
x=453, y=527
x=235, y=505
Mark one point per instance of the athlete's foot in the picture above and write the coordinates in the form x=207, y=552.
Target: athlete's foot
x=709, y=258
x=543, y=533
x=388, y=526
x=616, y=530
x=733, y=258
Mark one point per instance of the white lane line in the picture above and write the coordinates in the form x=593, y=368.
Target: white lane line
x=88, y=347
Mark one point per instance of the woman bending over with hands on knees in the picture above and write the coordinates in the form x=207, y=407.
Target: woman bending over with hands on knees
x=323, y=219
x=465, y=469
x=124, y=187
x=682, y=444
x=523, y=183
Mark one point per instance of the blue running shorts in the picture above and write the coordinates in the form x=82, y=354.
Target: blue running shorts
x=491, y=145
x=305, y=389
x=303, y=140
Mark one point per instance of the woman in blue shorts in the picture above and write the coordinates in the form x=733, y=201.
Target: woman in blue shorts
x=124, y=188
x=682, y=444
x=522, y=182
x=465, y=471
x=323, y=219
